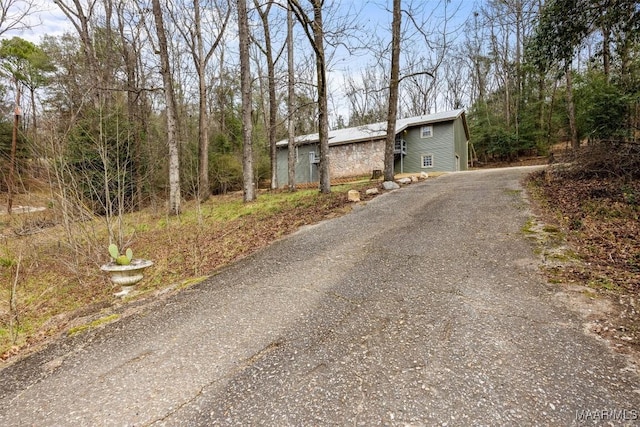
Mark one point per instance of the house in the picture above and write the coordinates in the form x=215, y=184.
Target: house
x=432, y=143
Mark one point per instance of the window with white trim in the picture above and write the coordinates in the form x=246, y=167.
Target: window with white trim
x=427, y=160
x=426, y=131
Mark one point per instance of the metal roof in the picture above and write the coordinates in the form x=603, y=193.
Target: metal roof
x=375, y=130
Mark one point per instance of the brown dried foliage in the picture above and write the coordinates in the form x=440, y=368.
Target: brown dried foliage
x=595, y=201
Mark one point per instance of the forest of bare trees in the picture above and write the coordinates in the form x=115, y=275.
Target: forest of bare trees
x=149, y=102
x=148, y=107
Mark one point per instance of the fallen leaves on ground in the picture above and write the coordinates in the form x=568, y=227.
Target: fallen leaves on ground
x=600, y=220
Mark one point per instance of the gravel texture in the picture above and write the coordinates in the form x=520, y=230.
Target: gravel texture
x=423, y=307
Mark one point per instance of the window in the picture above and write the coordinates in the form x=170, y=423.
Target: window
x=427, y=160
x=426, y=131
x=313, y=159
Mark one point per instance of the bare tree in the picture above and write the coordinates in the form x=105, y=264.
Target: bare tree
x=427, y=45
x=291, y=145
x=267, y=50
x=456, y=81
x=248, y=189
x=479, y=64
x=14, y=142
x=90, y=19
x=196, y=39
x=368, y=94
x=571, y=108
x=137, y=103
x=172, y=114
x=314, y=30
x=394, y=83
x=510, y=23
x=14, y=14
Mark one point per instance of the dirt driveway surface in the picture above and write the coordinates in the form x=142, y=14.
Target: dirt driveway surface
x=424, y=307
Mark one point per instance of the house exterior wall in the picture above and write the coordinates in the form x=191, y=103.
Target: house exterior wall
x=356, y=159
x=305, y=171
x=345, y=160
x=447, y=144
x=461, y=144
x=439, y=145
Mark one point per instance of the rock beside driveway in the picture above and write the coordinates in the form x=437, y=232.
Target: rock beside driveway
x=353, y=196
x=390, y=185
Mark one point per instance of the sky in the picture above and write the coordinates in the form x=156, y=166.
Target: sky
x=374, y=14
x=48, y=19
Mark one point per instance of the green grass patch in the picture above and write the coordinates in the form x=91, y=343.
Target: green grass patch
x=550, y=229
x=566, y=255
x=590, y=294
x=96, y=323
x=192, y=281
x=141, y=228
x=529, y=226
x=603, y=283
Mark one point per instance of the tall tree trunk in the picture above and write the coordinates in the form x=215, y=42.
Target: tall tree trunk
x=14, y=144
x=273, y=111
x=204, y=191
x=172, y=114
x=32, y=97
x=571, y=109
x=314, y=30
x=129, y=55
x=606, y=51
x=394, y=82
x=245, y=88
x=291, y=160
x=196, y=39
x=518, y=68
x=271, y=79
x=323, y=108
x=542, y=92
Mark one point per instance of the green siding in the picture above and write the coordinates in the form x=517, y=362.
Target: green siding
x=305, y=172
x=439, y=145
x=461, y=144
x=447, y=140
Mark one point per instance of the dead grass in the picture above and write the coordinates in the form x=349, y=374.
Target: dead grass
x=57, y=285
x=599, y=216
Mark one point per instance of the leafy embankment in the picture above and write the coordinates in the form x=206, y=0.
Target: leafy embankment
x=51, y=283
x=598, y=213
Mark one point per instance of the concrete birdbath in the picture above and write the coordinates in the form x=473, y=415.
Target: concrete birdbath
x=126, y=275
x=124, y=270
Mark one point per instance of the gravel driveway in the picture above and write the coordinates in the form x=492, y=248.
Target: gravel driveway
x=424, y=307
